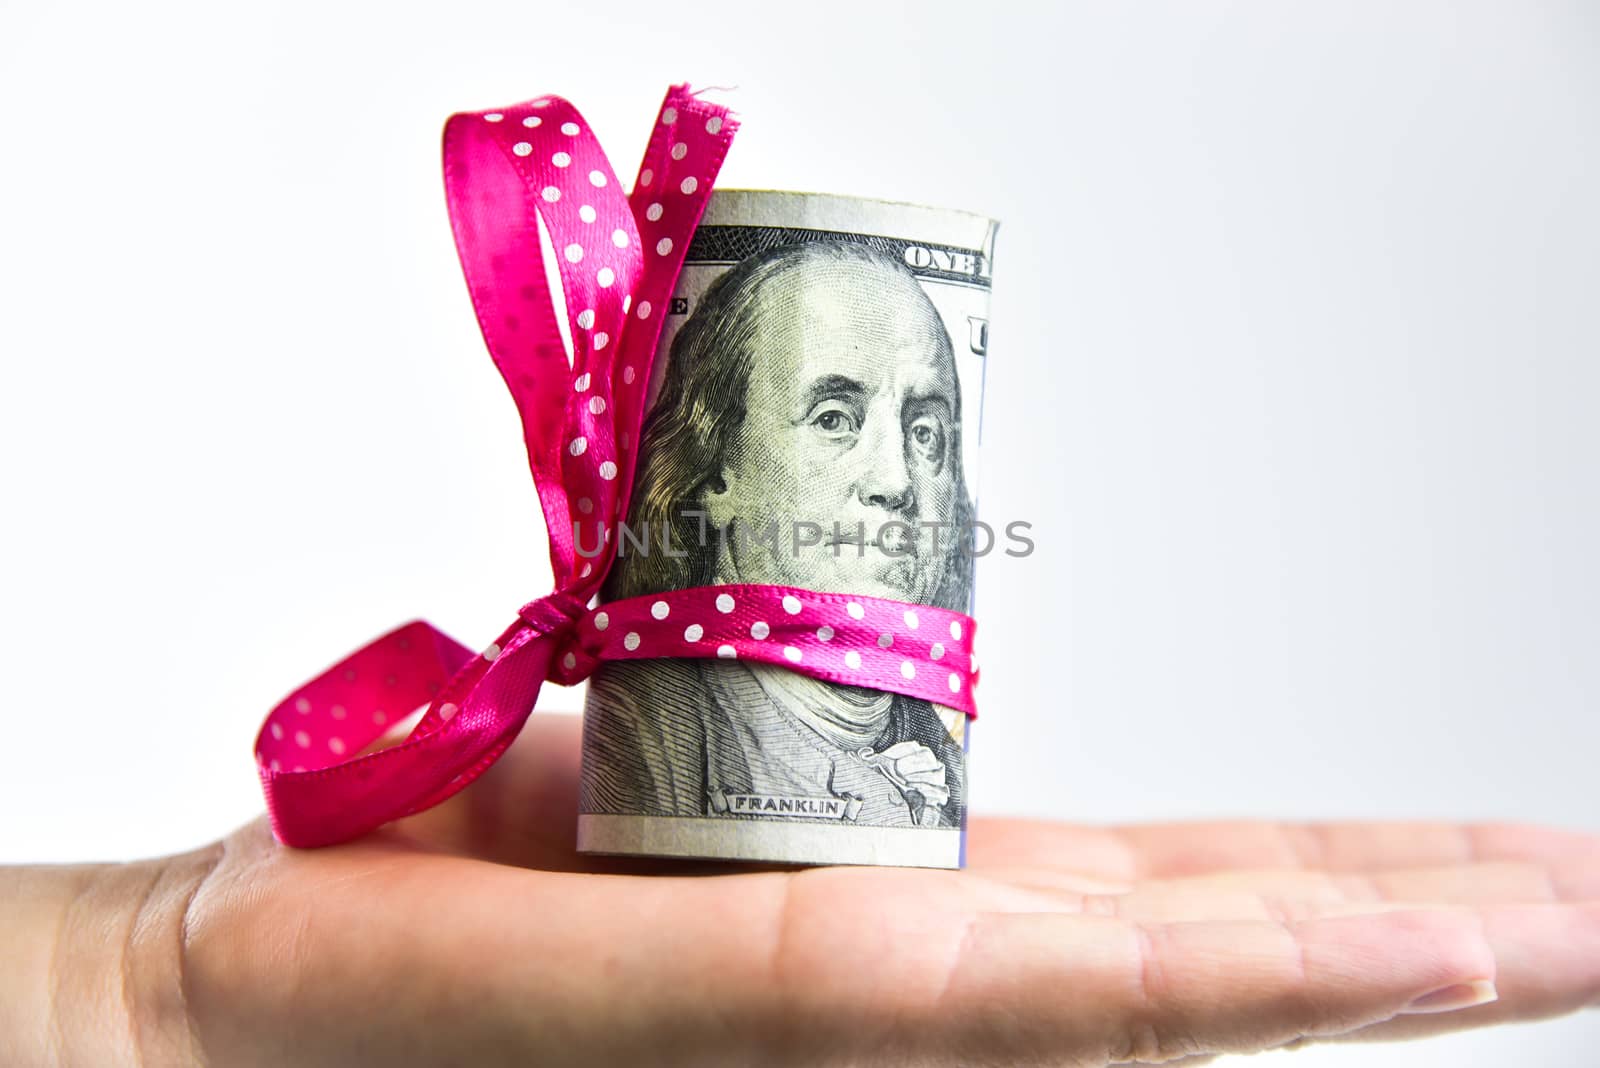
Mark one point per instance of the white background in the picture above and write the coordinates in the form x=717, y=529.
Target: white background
x=1294, y=371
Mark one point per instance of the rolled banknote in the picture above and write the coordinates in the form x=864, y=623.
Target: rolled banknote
x=812, y=421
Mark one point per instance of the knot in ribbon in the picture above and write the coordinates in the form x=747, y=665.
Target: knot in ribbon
x=506, y=173
x=556, y=613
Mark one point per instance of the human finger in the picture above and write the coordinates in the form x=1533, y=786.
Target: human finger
x=1194, y=848
x=1153, y=992
x=1547, y=963
x=1283, y=895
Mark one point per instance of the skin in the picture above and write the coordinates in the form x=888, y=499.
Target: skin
x=849, y=419
x=474, y=934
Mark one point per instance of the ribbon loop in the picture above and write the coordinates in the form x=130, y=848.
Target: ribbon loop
x=507, y=173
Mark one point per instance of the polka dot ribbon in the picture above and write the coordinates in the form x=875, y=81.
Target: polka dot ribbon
x=326, y=779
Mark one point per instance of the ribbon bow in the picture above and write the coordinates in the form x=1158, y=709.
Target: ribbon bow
x=506, y=172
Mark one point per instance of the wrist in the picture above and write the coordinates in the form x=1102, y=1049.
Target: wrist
x=93, y=962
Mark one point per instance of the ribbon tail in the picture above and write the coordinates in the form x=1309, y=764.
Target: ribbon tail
x=476, y=706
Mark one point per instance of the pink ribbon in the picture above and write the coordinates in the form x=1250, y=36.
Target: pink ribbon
x=505, y=171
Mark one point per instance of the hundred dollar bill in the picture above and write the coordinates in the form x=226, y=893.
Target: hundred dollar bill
x=821, y=368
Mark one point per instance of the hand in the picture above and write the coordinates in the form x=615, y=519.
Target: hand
x=473, y=934
x=914, y=765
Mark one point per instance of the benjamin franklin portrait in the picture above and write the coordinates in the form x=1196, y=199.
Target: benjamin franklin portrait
x=814, y=384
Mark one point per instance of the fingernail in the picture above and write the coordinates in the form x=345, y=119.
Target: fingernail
x=1451, y=998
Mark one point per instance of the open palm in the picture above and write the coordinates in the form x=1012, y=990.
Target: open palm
x=475, y=934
